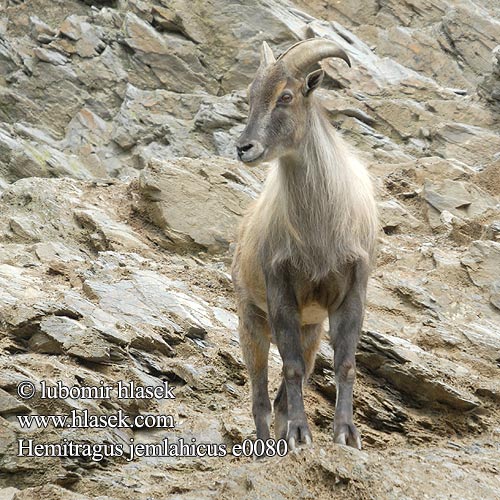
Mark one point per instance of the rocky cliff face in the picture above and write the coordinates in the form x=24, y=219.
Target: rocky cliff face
x=119, y=202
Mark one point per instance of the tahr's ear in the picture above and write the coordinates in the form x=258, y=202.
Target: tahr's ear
x=313, y=81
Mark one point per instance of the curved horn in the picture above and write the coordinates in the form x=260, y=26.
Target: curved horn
x=299, y=57
x=266, y=55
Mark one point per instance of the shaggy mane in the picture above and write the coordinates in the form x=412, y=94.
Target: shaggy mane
x=316, y=210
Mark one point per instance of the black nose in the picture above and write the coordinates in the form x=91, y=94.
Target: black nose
x=243, y=149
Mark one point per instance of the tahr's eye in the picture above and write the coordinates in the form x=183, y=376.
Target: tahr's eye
x=285, y=98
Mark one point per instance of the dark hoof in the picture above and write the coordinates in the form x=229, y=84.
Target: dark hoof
x=347, y=434
x=298, y=433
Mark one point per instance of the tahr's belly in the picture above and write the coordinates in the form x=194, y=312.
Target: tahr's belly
x=313, y=313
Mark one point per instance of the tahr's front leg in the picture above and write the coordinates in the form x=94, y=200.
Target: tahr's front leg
x=284, y=320
x=345, y=328
x=310, y=341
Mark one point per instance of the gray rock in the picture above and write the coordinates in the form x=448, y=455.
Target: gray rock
x=394, y=216
x=483, y=262
x=56, y=252
x=170, y=58
x=459, y=198
x=484, y=335
x=220, y=113
x=439, y=169
x=490, y=85
x=11, y=60
x=50, y=56
x=54, y=200
x=41, y=31
x=495, y=294
x=24, y=158
x=148, y=298
x=106, y=233
x=174, y=19
x=8, y=493
x=463, y=141
x=414, y=371
x=414, y=293
x=205, y=213
x=49, y=491
x=60, y=334
x=472, y=35
x=86, y=37
x=9, y=405
x=381, y=71
x=146, y=116
x=406, y=45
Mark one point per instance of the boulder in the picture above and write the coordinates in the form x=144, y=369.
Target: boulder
x=413, y=371
x=197, y=204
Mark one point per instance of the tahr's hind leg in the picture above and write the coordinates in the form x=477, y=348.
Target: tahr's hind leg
x=255, y=341
x=345, y=329
x=310, y=337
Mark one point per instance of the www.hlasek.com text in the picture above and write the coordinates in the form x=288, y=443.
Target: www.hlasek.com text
x=83, y=419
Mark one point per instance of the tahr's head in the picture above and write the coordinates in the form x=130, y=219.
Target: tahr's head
x=279, y=98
